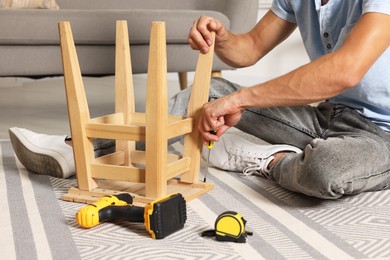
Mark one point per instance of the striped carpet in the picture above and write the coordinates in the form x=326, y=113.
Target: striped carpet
x=35, y=224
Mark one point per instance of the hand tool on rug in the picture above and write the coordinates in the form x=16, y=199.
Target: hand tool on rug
x=209, y=146
x=229, y=226
x=161, y=217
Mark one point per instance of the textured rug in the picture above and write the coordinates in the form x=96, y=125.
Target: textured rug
x=36, y=224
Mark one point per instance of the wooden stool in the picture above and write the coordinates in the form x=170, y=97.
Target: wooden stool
x=160, y=173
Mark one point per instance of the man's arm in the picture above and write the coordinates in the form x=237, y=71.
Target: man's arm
x=240, y=50
x=331, y=74
x=321, y=79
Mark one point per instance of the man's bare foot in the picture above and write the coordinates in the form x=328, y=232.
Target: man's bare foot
x=276, y=159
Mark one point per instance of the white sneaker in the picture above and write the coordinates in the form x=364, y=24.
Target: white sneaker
x=234, y=153
x=43, y=154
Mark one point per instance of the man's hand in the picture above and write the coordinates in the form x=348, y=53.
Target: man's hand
x=219, y=115
x=199, y=37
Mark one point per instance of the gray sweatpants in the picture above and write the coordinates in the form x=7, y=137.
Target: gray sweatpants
x=343, y=152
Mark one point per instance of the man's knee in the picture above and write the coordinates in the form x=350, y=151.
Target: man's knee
x=317, y=172
x=318, y=178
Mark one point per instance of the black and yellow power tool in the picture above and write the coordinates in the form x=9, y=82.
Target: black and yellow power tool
x=229, y=226
x=161, y=217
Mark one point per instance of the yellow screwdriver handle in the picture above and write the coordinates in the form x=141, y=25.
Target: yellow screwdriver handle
x=211, y=143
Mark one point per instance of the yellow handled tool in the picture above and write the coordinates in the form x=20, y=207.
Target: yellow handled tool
x=91, y=215
x=161, y=217
x=211, y=143
x=209, y=146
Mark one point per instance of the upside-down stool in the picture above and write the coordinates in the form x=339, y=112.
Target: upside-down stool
x=148, y=174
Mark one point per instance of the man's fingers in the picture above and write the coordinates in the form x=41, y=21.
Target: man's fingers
x=196, y=39
x=200, y=34
x=210, y=123
x=205, y=28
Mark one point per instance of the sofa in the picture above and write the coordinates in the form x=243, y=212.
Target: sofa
x=29, y=39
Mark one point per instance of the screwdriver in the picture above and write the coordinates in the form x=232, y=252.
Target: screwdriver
x=209, y=146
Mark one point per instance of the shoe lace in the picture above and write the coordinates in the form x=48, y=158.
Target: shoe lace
x=258, y=166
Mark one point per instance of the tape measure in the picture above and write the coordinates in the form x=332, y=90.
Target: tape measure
x=229, y=226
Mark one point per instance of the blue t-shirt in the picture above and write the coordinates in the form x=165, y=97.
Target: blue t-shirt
x=324, y=29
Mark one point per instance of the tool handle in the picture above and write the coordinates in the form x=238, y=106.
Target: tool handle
x=125, y=197
x=211, y=143
x=127, y=213
x=88, y=216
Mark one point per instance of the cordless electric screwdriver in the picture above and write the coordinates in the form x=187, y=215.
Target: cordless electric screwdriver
x=161, y=217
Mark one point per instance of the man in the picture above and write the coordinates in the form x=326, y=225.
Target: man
x=345, y=141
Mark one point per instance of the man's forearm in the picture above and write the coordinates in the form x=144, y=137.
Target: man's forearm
x=326, y=77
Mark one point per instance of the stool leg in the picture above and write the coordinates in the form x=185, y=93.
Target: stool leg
x=77, y=109
x=156, y=114
x=216, y=74
x=183, y=80
x=124, y=90
x=199, y=95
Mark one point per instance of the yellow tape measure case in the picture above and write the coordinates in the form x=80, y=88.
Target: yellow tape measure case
x=229, y=226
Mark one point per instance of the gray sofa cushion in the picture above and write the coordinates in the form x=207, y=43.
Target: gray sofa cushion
x=29, y=40
x=242, y=13
x=95, y=27
x=94, y=60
